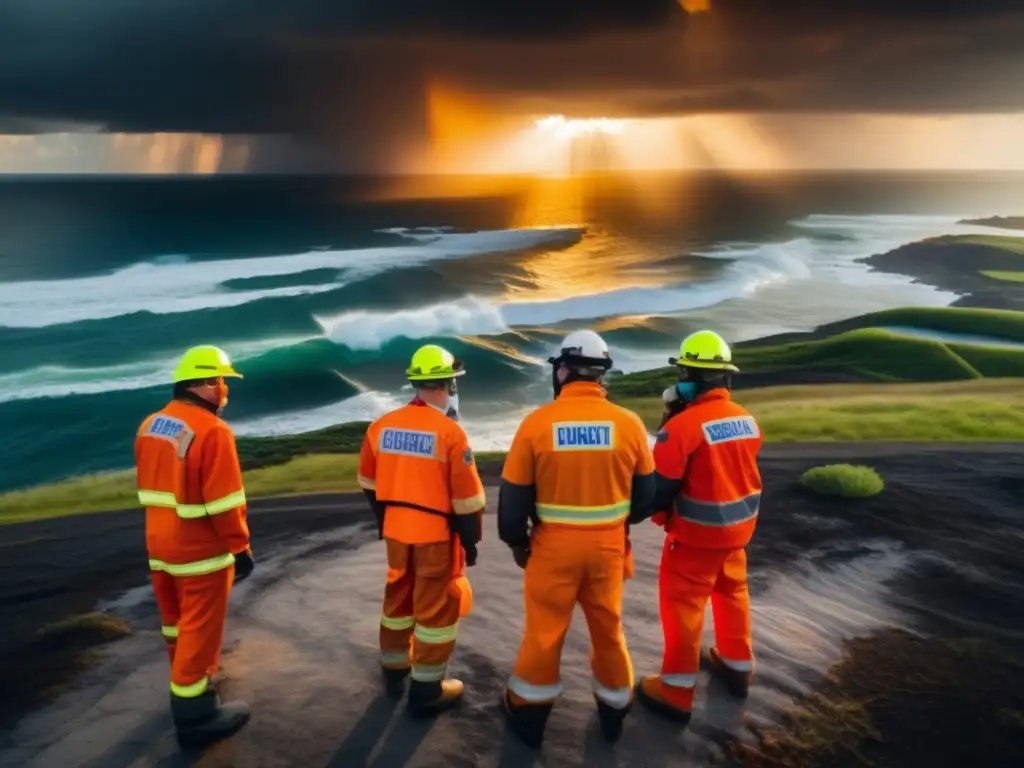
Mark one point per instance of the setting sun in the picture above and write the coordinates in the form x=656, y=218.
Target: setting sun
x=558, y=125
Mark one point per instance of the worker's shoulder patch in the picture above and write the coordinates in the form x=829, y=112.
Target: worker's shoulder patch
x=173, y=430
x=467, y=457
x=583, y=435
x=733, y=428
x=662, y=436
x=407, y=442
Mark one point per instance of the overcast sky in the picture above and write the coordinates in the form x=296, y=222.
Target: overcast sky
x=359, y=74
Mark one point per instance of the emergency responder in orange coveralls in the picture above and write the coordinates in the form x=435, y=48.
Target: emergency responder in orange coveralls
x=580, y=471
x=418, y=472
x=197, y=536
x=709, y=493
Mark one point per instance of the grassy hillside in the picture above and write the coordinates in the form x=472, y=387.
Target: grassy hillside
x=973, y=410
x=999, y=242
x=864, y=349
x=1007, y=277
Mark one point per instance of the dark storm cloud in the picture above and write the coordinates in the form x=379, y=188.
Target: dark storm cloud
x=356, y=68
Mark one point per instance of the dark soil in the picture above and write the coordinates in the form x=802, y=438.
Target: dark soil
x=949, y=695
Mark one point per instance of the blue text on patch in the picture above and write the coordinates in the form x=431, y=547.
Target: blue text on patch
x=164, y=426
x=408, y=442
x=584, y=435
x=727, y=430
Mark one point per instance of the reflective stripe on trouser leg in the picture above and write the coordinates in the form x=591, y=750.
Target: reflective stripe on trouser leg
x=550, y=586
x=436, y=609
x=170, y=641
x=601, y=600
x=433, y=647
x=204, y=604
x=730, y=606
x=685, y=581
x=396, y=621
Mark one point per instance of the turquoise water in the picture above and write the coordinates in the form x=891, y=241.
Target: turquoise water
x=322, y=298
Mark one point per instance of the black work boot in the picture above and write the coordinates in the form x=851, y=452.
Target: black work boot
x=528, y=720
x=429, y=698
x=736, y=681
x=394, y=681
x=202, y=720
x=611, y=720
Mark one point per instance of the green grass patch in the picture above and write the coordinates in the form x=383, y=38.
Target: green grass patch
x=1009, y=277
x=846, y=480
x=315, y=473
x=82, y=631
x=257, y=452
x=973, y=410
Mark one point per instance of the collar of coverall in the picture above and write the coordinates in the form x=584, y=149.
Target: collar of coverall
x=193, y=399
x=420, y=402
x=718, y=393
x=582, y=389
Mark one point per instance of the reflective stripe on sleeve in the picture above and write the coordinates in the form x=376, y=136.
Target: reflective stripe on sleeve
x=718, y=514
x=470, y=505
x=192, y=511
x=226, y=503
x=366, y=483
x=190, y=691
x=574, y=515
x=197, y=568
x=171, y=633
x=436, y=635
x=534, y=693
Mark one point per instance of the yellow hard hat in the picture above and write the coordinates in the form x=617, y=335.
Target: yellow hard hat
x=204, y=362
x=431, y=363
x=705, y=349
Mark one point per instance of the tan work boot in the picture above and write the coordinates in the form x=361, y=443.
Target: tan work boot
x=736, y=681
x=428, y=698
x=665, y=700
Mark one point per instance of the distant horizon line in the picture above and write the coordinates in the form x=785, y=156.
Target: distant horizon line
x=133, y=175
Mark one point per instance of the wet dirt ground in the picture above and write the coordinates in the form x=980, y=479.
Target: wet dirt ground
x=901, y=613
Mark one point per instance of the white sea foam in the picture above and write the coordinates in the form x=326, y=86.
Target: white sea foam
x=183, y=286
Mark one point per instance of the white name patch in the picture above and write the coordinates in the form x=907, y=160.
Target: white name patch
x=408, y=442
x=727, y=430
x=583, y=435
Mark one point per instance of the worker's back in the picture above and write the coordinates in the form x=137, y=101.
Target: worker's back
x=581, y=453
x=190, y=484
x=720, y=494
x=420, y=461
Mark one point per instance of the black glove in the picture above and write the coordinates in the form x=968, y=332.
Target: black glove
x=521, y=555
x=470, y=550
x=244, y=565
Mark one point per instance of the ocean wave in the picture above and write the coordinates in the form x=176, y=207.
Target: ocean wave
x=184, y=287
x=468, y=316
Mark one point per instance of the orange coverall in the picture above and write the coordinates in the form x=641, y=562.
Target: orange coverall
x=190, y=482
x=418, y=464
x=709, y=489
x=579, y=468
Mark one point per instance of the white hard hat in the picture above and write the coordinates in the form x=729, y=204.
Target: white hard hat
x=584, y=348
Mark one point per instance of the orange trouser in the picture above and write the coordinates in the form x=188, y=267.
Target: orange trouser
x=193, y=610
x=421, y=609
x=688, y=577
x=567, y=566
